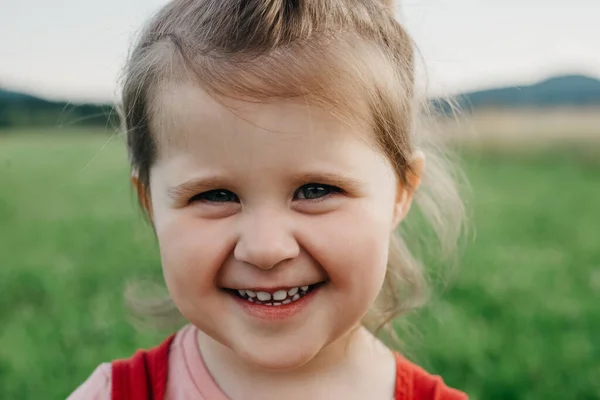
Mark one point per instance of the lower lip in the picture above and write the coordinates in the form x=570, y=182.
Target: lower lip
x=274, y=313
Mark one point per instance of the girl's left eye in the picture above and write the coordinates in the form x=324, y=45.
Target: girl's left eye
x=315, y=191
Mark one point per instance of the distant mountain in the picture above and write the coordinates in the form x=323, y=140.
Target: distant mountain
x=6, y=95
x=568, y=90
x=19, y=109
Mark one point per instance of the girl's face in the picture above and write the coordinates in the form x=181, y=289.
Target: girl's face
x=251, y=208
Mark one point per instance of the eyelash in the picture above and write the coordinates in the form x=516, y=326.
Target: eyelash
x=332, y=190
x=202, y=196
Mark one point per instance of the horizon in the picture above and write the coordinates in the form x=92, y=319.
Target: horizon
x=4, y=88
x=465, y=46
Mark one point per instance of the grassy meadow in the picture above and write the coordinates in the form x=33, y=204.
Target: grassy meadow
x=521, y=320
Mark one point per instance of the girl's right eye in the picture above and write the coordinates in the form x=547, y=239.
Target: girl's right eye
x=216, y=196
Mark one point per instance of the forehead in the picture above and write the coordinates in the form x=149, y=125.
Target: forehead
x=187, y=120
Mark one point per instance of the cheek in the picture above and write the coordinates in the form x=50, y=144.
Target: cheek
x=192, y=252
x=352, y=246
x=364, y=252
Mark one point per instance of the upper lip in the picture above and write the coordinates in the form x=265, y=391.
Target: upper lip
x=272, y=288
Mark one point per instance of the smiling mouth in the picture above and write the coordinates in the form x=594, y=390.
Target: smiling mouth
x=275, y=298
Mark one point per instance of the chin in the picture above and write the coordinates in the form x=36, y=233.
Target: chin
x=278, y=355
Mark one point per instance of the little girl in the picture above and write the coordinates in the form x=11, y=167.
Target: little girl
x=273, y=146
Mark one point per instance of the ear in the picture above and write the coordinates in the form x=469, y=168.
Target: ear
x=405, y=193
x=142, y=193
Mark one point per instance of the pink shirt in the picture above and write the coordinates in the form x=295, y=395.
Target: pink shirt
x=188, y=376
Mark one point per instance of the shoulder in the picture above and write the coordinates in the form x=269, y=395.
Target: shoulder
x=414, y=383
x=96, y=387
x=100, y=383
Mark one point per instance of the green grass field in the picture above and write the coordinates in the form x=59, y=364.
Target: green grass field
x=521, y=321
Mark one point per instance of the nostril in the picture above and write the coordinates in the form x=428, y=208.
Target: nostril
x=266, y=255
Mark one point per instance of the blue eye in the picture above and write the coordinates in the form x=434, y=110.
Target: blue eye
x=216, y=196
x=315, y=191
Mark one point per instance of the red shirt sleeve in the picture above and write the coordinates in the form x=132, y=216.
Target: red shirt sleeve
x=414, y=383
x=143, y=376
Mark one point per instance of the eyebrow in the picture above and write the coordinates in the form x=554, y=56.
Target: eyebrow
x=197, y=185
x=334, y=179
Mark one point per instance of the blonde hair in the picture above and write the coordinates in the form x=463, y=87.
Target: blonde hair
x=351, y=57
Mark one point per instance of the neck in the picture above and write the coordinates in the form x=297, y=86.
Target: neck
x=354, y=356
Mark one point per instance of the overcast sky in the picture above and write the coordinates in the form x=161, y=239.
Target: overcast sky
x=74, y=49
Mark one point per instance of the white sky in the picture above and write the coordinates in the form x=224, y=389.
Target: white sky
x=74, y=49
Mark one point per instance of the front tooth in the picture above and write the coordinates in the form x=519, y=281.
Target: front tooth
x=287, y=301
x=304, y=288
x=277, y=303
x=293, y=291
x=296, y=297
x=263, y=296
x=279, y=295
x=250, y=293
x=242, y=293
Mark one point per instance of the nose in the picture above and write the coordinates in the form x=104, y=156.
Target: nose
x=266, y=241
